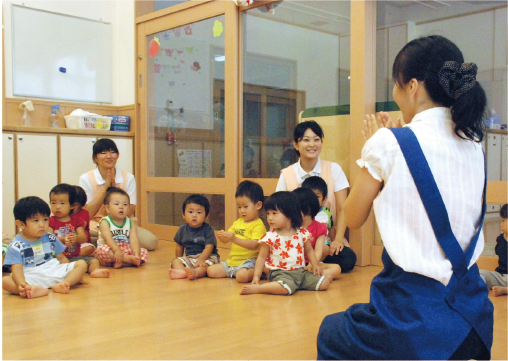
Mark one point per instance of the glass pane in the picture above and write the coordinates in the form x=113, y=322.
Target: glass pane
x=479, y=29
x=295, y=57
x=185, y=89
x=166, y=209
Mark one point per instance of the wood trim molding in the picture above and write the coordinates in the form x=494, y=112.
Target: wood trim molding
x=363, y=101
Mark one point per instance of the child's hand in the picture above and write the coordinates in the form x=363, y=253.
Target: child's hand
x=225, y=236
x=309, y=268
x=255, y=280
x=318, y=270
x=326, y=203
x=118, y=257
x=200, y=263
x=70, y=239
x=336, y=246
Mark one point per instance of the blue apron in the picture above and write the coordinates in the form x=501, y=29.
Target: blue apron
x=411, y=316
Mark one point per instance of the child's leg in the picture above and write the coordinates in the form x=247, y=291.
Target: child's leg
x=498, y=290
x=216, y=271
x=72, y=278
x=86, y=251
x=274, y=288
x=27, y=291
x=325, y=283
x=196, y=273
x=332, y=270
x=245, y=275
x=95, y=270
x=177, y=270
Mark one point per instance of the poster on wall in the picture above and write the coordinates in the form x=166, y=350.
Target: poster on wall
x=195, y=163
x=181, y=75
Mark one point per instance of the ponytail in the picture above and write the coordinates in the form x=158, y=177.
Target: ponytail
x=469, y=100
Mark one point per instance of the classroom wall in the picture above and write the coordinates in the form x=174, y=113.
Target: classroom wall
x=119, y=13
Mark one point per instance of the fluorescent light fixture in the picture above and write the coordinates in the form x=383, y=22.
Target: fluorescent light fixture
x=220, y=58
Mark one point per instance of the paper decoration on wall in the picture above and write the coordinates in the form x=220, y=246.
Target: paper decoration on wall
x=217, y=28
x=169, y=52
x=177, y=32
x=243, y=2
x=176, y=69
x=154, y=47
x=188, y=30
x=195, y=66
x=190, y=49
x=195, y=163
x=157, y=68
x=166, y=35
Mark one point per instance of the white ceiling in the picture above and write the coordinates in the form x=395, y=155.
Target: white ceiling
x=333, y=16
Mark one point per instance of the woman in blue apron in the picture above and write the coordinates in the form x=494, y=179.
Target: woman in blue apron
x=426, y=182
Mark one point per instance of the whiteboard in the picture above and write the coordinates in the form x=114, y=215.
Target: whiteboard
x=43, y=42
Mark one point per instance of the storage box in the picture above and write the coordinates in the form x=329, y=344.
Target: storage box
x=88, y=122
x=120, y=122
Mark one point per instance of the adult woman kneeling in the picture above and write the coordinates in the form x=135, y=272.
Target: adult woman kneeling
x=96, y=182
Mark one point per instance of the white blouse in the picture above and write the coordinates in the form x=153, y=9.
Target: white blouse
x=458, y=168
x=339, y=178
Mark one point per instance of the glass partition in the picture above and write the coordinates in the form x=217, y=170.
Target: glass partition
x=479, y=29
x=295, y=56
x=185, y=106
x=167, y=209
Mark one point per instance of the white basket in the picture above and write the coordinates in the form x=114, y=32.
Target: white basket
x=88, y=122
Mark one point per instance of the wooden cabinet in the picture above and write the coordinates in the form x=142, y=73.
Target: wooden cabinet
x=37, y=164
x=32, y=164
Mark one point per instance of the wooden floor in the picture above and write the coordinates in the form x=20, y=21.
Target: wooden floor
x=142, y=314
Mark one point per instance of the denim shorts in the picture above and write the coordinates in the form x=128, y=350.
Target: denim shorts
x=232, y=271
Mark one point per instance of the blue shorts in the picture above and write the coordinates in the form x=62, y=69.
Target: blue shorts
x=232, y=271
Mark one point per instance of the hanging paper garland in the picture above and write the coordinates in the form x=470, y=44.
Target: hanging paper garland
x=243, y=2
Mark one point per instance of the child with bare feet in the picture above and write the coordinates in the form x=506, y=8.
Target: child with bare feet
x=69, y=229
x=87, y=248
x=118, y=243
x=36, y=256
x=497, y=280
x=196, y=245
x=309, y=205
x=282, y=251
x=244, y=235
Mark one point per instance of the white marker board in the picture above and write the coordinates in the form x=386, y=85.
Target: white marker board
x=45, y=43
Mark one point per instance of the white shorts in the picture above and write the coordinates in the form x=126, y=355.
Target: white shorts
x=48, y=274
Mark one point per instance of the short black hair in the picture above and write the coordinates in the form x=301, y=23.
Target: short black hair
x=308, y=200
x=198, y=199
x=65, y=188
x=287, y=204
x=504, y=211
x=115, y=190
x=316, y=183
x=251, y=190
x=81, y=197
x=29, y=207
x=103, y=145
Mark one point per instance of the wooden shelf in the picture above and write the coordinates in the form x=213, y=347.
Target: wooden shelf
x=93, y=132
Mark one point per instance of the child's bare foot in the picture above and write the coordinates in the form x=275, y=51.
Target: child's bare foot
x=133, y=260
x=100, y=273
x=34, y=291
x=191, y=273
x=176, y=274
x=499, y=291
x=62, y=287
x=249, y=289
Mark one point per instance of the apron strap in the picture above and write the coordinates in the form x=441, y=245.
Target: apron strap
x=433, y=202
